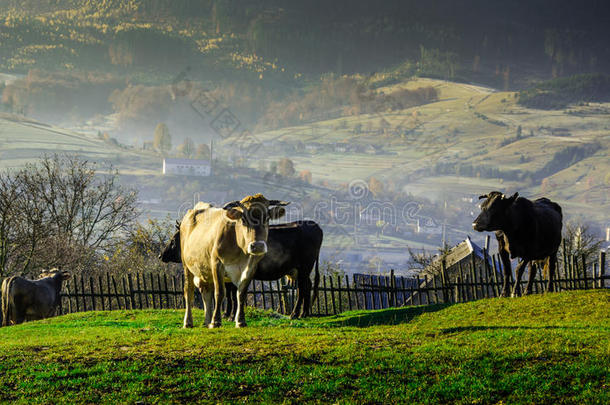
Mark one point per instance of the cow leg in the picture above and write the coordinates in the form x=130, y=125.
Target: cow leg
x=305, y=294
x=552, y=263
x=242, y=288
x=234, y=301
x=207, y=294
x=530, y=279
x=519, y=272
x=18, y=312
x=231, y=291
x=219, y=293
x=189, y=298
x=505, y=258
x=297, y=306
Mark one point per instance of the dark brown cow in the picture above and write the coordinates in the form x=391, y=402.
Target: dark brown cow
x=294, y=248
x=530, y=230
x=28, y=300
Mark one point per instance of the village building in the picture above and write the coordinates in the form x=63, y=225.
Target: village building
x=187, y=167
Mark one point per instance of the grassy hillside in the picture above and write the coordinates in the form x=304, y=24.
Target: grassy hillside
x=550, y=348
x=24, y=141
x=472, y=139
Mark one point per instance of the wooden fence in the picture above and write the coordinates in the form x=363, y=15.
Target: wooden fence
x=461, y=283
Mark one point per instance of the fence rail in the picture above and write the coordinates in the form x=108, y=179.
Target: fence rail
x=336, y=294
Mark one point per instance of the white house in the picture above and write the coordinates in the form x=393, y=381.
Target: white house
x=187, y=167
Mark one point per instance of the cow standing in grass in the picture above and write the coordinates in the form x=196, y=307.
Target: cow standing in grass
x=219, y=242
x=27, y=300
x=530, y=230
x=293, y=250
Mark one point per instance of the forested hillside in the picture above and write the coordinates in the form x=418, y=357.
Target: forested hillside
x=477, y=38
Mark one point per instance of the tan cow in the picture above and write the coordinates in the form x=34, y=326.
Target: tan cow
x=27, y=300
x=224, y=242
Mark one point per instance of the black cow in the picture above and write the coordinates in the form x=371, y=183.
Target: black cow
x=27, y=300
x=293, y=249
x=525, y=229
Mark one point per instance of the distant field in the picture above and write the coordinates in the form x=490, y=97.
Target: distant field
x=552, y=348
x=469, y=124
x=23, y=141
x=473, y=125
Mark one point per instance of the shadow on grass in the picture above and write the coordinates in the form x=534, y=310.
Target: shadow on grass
x=391, y=316
x=459, y=329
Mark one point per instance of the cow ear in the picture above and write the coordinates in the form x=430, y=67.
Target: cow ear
x=233, y=214
x=514, y=197
x=66, y=275
x=276, y=212
x=483, y=196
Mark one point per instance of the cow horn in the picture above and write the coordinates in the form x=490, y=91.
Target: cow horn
x=279, y=203
x=233, y=204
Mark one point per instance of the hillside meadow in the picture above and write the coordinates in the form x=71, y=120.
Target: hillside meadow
x=552, y=348
x=472, y=138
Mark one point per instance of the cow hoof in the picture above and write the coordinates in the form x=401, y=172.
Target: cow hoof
x=293, y=316
x=214, y=325
x=187, y=326
x=240, y=325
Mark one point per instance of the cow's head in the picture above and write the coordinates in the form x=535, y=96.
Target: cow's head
x=55, y=273
x=251, y=216
x=171, y=252
x=493, y=214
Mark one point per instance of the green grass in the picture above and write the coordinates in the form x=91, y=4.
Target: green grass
x=545, y=349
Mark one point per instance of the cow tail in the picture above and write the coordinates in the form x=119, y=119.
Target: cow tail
x=316, y=283
x=6, y=310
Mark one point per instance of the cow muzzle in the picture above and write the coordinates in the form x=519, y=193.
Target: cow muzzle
x=257, y=248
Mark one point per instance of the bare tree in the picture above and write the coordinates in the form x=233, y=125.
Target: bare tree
x=579, y=240
x=61, y=212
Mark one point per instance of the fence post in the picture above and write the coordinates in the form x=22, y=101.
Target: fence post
x=495, y=277
x=325, y=297
x=99, y=280
x=584, y=271
x=456, y=290
x=173, y=280
x=332, y=294
x=349, y=295
x=144, y=289
x=473, y=276
x=355, y=292
x=166, y=290
x=285, y=298
x=444, y=281
x=280, y=303
x=602, y=269
x=152, y=290
x=69, y=297
x=131, y=294
x=379, y=292
x=411, y=291
x=159, y=291
x=427, y=287
x=340, y=295
x=82, y=288
x=91, y=286
x=139, y=289
x=463, y=289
